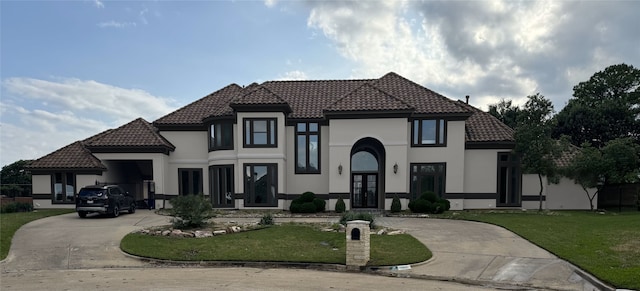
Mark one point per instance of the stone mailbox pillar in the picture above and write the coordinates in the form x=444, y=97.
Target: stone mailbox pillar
x=358, y=243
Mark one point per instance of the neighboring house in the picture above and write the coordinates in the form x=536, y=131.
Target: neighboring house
x=263, y=145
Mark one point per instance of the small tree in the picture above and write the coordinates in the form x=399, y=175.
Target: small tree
x=15, y=178
x=534, y=143
x=506, y=112
x=586, y=169
x=190, y=211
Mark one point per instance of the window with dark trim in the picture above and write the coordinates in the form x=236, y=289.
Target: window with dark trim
x=221, y=186
x=429, y=132
x=190, y=181
x=63, y=186
x=260, y=132
x=428, y=177
x=307, y=148
x=509, y=180
x=260, y=184
x=221, y=136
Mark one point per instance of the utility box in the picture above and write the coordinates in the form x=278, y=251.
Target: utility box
x=358, y=244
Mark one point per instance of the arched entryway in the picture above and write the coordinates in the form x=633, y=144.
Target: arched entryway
x=367, y=174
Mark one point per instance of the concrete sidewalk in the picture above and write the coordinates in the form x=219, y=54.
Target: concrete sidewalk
x=475, y=253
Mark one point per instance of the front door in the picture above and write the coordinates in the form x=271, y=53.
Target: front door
x=365, y=190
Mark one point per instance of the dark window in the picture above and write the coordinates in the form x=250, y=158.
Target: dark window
x=429, y=132
x=307, y=147
x=428, y=177
x=260, y=184
x=190, y=181
x=63, y=185
x=221, y=136
x=509, y=180
x=260, y=132
x=221, y=183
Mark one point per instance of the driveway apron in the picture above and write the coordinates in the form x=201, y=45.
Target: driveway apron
x=69, y=242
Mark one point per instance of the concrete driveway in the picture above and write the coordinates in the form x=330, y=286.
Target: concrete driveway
x=468, y=252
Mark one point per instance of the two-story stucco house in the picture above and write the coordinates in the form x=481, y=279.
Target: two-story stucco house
x=263, y=145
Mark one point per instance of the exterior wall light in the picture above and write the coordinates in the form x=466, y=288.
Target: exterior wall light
x=395, y=168
x=340, y=169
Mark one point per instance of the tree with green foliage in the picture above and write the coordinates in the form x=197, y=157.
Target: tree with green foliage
x=604, y=108
x=15, y=179
x=617, y=162
x=534, y=144
x=506, y=112
x=586, y=169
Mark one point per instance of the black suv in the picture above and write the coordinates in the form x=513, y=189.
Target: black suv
x=107, y=199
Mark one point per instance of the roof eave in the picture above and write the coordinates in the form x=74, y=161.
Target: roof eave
x=490, y=145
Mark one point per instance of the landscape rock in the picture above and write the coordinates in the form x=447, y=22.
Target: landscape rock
x=219, y=232
x=396, y=232
x=201, y=234
x=382, y=231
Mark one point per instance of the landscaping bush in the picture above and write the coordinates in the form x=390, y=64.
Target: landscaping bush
x=320, y=204
x=349, y=216
x=190, y=211
x=395, y=205
x=266, y=219
x=16, y=207
x=340, y=206
x=429, y=203
x=307, y=203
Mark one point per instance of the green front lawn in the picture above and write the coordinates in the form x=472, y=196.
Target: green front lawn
x=11, y=222
x=605, y=245
x=281, y=243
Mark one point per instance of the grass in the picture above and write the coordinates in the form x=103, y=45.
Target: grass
x=11, y=222
x=281, y=243
x=605, y=245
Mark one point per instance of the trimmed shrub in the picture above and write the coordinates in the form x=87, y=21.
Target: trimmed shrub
x=320, y=204
x=295, y=207
x=395, y=205
x=349, y=216
x=429, y=202
x=429, y=196
x=307, y=197
x=190, y=211
x=308, y=207
x=16, y=207
x=340, y=206
x=421, y=206
x=266, y=219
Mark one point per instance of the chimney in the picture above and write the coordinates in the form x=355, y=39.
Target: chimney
x=467, y=99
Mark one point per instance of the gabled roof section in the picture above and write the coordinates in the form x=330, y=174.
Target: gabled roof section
x=370, y=99
x=482, y=127
x=307, y=99
x=137, y=136
x=191, y=115
x=259, y=98
x=422, y=99
x=74, y=157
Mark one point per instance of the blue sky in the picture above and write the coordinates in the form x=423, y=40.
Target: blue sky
x=71, y=69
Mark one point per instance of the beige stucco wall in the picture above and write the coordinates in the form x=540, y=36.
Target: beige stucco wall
x=481, y=170
x=568, y=195
x=453, y=155
x=192, y=152
x=41, y=184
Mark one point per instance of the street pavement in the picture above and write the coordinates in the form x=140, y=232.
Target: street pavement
x=68, y=253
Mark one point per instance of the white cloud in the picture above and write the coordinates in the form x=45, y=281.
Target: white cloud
x=270, y=3
x=115, y=24
x=75, y=109
x=98, y=3
x=487, y=49
x=293, y=75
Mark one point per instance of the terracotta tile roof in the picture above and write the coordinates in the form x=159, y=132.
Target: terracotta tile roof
x=483, y=127
x=257, y=95
x=566, y=157
x=72, y=157
x=422, y=99
x=311, y=99
x=214, y=104
x=368, y=98
x=307, y=99
x=138, y=134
